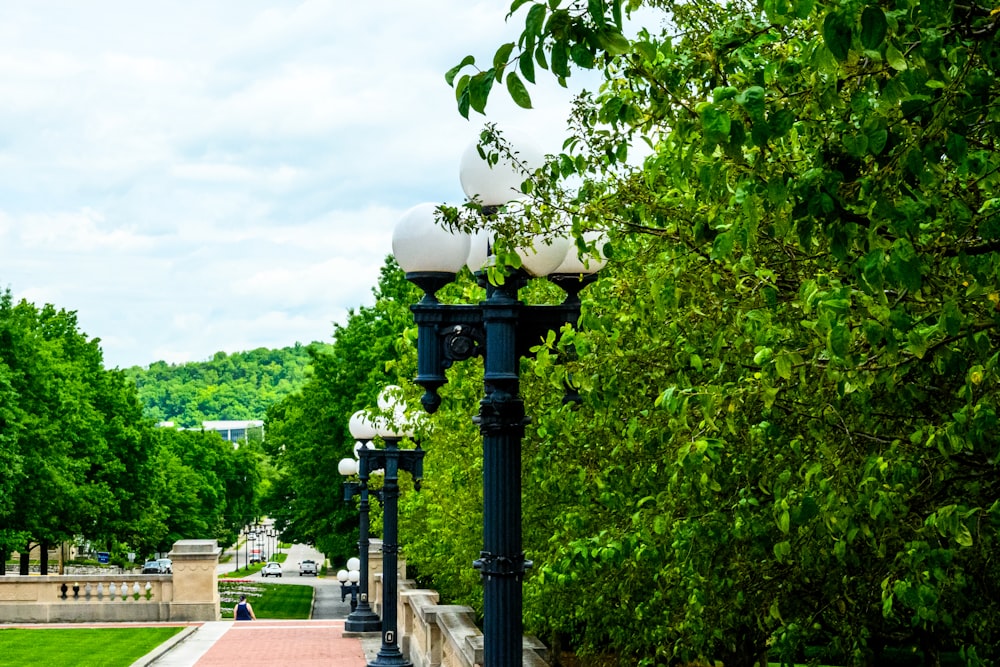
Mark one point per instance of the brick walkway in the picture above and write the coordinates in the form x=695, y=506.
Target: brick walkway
x=271, y=642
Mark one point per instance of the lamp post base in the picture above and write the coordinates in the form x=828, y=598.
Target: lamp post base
x=390, y=656
x=363, y=620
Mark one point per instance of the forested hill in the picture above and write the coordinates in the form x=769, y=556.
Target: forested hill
x=235, y=386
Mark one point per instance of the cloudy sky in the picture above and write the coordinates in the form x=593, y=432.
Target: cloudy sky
x=196, y=176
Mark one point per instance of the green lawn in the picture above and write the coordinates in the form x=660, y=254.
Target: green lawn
x=268, y=600
x=69, y=647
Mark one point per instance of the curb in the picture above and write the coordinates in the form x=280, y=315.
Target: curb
x=165, y=647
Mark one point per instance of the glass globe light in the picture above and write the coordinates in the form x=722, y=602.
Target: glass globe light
x=361, y=426
x=421, y=245
x=589, y=263
x=347, y=467
x=497, y=184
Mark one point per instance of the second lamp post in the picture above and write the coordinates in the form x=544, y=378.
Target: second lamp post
x=501, y=329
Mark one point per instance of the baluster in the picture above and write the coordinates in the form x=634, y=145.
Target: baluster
x=135, y=591
x=64, y=588
x=100, y=590
x=149, y=588
x=76, y=591
x=87, y=590
x=124, y=591
x=112, y=591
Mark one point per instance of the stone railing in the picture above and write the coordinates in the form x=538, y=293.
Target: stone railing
x=437, y=635
x=191, y=593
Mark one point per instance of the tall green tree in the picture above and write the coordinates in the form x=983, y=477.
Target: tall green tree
x=70, y=432
x=790, y=376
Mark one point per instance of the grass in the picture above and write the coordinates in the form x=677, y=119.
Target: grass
x=268, y=600
x=68, y=647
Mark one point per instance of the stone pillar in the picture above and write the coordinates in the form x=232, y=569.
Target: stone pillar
x=195, y=583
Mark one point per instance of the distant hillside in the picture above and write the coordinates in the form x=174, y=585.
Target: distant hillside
x=236, y=386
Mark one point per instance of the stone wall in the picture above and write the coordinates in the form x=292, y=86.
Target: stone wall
x=191, y=593
x=433, y=634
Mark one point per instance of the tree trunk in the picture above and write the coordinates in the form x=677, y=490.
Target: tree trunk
x=3, y=561
x=25, y=560
x=43, y=549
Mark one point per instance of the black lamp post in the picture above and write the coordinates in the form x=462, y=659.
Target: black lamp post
x=361, y=618
x=391, y=459
x=349, y=585
x=501, y=329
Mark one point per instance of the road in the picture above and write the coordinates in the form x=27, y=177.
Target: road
x=326, y=602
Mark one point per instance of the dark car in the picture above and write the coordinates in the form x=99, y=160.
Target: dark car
x=152, y=567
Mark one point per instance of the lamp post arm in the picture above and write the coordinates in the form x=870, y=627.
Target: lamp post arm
x=445, y=333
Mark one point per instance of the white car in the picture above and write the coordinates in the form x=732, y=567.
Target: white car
x=271, y=570
x=308, y=567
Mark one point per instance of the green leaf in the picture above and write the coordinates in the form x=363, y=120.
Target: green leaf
x=715, y=123
x=722, y=246
x=856, y=144
x=560, y=59
x=582, y=56
x=613, y=42
x=616, y=13
x=479, y=89
x=752, y=99
x=534, y=21
x=783, y=365
x=527, y=66
x=514, y=6
x=895, y=58
x=873, y=27
x=502, y=54
x=596, y=10
x=837, y=35
x=840, y=340
x=517, y=91
x=450, y=74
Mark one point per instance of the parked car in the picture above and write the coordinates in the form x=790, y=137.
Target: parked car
x=152, y=567
x=271, y=570
x=166, y=565
x=308, y=567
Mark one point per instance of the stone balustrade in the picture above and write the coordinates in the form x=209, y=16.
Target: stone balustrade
x=190, y=593
x=433, y=634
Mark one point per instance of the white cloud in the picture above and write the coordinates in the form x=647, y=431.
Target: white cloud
x=193, y=177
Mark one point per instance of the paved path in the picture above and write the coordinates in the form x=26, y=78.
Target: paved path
x=318, y=641
x=270, y=643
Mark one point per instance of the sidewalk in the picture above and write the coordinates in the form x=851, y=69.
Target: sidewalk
x=265, y=642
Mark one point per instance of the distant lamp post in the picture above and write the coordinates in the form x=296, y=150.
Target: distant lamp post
x=391, y=459
x=501, y=329
x=349, y=582
x=362, y=618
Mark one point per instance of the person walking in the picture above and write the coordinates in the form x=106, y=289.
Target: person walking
x=244, y=612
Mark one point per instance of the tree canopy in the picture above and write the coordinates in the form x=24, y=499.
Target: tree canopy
x=237, y=386
x=789, y=370
x=79, y=460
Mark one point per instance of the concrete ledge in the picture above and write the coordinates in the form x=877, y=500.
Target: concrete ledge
x=163, y=648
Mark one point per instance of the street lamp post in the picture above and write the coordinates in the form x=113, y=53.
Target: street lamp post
x=391, y=459
x=349, y=579
x=501, y=329
x=361, y=618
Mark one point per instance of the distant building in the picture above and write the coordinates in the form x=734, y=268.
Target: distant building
x=235, y=431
